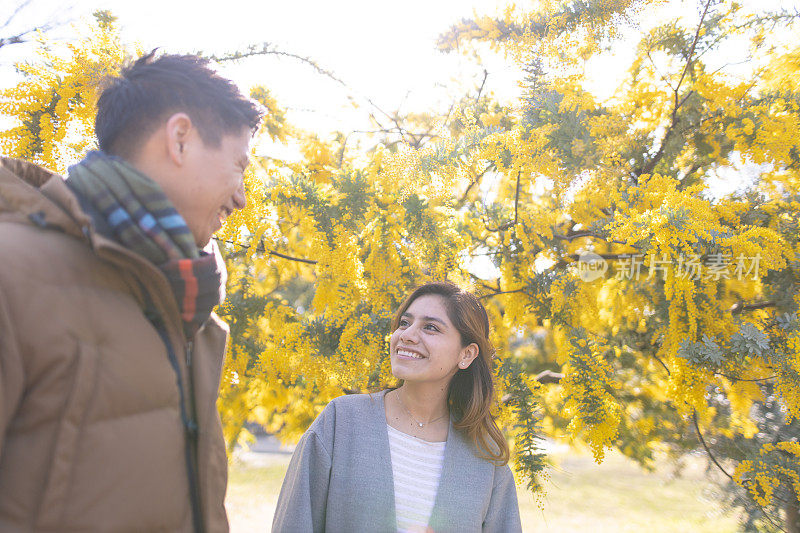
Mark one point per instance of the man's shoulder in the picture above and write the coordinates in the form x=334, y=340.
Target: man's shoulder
x=28, y=231
x=26, y=245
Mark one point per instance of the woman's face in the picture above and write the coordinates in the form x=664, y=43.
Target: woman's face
x=426, y=346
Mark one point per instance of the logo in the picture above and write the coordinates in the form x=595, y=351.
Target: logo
x=591, y=266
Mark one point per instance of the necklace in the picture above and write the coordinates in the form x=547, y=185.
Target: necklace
x=417, y=422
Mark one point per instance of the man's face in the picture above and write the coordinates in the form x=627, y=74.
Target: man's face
x=212, y=186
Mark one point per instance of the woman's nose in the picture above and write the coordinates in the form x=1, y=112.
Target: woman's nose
x=409, y=334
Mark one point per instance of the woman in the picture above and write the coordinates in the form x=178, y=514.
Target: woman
x=427, y=456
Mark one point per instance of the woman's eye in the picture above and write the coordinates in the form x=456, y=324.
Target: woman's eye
x=403, y=323
x=431, y=327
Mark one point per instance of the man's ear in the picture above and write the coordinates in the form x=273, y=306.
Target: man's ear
x=178, y=128
x=467, y=355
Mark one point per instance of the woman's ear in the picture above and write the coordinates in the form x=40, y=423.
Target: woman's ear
x=467, y=355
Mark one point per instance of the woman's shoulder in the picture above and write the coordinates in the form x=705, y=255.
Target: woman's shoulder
x=348, y=408
x=355, y=401
x=478, y=457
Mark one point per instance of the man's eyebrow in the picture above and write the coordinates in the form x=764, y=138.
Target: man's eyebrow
x=428, y=318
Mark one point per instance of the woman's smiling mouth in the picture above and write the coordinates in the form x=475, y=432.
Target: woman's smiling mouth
x=409, y=354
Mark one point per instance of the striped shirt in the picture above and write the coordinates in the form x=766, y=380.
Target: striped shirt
x=416, y=467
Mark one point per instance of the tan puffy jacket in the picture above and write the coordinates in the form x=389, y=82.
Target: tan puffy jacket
x=91, y=436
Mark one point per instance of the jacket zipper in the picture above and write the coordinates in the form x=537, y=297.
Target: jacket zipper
x=194, y=433
x=189, y=348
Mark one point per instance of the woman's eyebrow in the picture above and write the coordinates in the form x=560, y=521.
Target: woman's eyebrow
x=428, y=318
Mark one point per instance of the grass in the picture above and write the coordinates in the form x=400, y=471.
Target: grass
x=615, y=496
x=253, y=487
x=618, y=496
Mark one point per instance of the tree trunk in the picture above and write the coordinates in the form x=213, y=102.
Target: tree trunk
x=792, y=513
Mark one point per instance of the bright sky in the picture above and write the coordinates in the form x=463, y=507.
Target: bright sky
x=383, y=50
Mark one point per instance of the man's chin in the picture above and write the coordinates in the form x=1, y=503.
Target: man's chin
x=202, y=242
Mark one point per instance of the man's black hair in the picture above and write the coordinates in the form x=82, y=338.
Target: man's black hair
x=151, y=89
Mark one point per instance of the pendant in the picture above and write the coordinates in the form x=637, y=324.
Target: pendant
x=420, y=425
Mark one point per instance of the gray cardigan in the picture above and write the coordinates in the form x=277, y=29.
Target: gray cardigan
x=340, y=479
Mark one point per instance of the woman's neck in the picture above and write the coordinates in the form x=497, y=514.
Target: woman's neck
x=426, y=401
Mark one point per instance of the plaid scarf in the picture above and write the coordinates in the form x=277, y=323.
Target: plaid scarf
x=142, y=219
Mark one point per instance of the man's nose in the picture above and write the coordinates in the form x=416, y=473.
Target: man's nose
x=239, y=198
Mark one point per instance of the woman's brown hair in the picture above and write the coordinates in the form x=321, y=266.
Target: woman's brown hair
x=470, y=394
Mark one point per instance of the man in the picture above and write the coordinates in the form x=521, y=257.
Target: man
x=110, y=356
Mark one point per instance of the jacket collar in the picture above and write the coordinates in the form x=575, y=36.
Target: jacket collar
x=33, y=195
